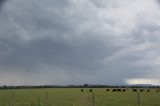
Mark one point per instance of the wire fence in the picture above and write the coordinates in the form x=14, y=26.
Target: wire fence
x=88, y=98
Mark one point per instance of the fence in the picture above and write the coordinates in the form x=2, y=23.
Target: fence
x=79, y=98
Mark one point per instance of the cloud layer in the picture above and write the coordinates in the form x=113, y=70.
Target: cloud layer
x=79, y=41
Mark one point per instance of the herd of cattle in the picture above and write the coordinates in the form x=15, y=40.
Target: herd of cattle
x=125, y=90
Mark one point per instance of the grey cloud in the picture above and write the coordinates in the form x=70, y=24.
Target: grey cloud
x=69, y=41
x=1, y=3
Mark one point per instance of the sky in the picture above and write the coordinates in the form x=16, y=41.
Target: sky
x=63, y=42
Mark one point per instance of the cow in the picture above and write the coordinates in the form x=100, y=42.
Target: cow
x=118, y=90
x=124, y=90
x=114, y=90
x=134, y=90
x=81, y=90
x=90, y=90
x=107, y=90
x=141, y=90
x=148, y=90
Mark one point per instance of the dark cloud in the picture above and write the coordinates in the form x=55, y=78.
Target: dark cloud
x=1, y=3
x=76, y=42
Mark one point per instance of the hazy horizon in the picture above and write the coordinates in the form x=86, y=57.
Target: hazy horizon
x=61, y=42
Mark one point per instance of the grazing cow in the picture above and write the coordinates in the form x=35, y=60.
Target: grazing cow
x=107, y=90
x=148, y=90
x=81, y=90
x=141, y=90
x=134, y=90
x=118, y=90
x=114, y=90
x=123, y=90
x=90, y=90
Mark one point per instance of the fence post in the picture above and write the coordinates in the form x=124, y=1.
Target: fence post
x=138, y=98
x=10, y=99
x=39, y=101
x=93, y=98
x=46, y=99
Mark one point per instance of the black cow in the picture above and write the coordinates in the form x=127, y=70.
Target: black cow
x=124, y=90
x=134, y=90
x=107, y=90
x=141, y=90
x=81, y=90
x=118, y=90
x=90, y=90
x=114, y=90
x=148, y=90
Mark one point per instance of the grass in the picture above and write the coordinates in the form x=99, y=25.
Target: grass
x=74, y=97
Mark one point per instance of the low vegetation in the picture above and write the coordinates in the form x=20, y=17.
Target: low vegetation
x=80, y=97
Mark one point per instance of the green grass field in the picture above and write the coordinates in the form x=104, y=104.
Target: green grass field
x=74, y=97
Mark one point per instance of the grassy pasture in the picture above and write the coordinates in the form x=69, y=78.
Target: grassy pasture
x=74, y=97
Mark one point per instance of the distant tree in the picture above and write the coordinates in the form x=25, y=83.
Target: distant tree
x=86, y=85
x=4, y=86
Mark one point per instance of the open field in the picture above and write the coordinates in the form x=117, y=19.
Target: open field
x=74, y=97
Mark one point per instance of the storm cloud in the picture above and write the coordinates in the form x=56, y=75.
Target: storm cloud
x=79, y=41
x=2, y=3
